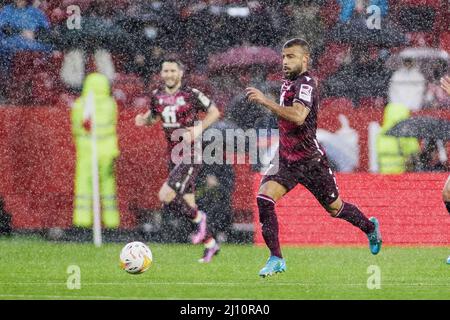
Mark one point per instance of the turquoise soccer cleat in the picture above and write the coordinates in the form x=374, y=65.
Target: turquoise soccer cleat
x=375, y=237
x=448, y=260
x=273, y=265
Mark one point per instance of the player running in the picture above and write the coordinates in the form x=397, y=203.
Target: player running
x=302, y=160
x=178, y=107
x=445, y=84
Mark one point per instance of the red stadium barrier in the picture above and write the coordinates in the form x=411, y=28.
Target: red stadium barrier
x=409, y=208
x=37, y=161
x=37, y=164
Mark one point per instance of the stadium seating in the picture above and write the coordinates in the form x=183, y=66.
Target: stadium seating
x=20, y=88
x=83, y=4
x=126, y=88
x=444, y=41
x=372, y=102
x=44, y=89
x=420, y=39
x=328, y=13
x=24, y=65
x=436, y=4
x=199, y=81
x=336, y=103
x=331, y=59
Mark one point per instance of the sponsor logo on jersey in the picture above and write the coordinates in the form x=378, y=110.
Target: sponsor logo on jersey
x=305, y=92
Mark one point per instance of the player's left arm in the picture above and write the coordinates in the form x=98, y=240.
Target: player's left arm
x=212, y=114
x=297, y=113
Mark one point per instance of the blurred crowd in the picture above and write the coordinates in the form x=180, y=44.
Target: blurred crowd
x=357, y=50
x=371, y=53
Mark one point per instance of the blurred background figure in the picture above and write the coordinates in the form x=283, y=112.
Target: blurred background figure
x=96, y=90
x=254, y=117
x=148, y=23
x=97, y=38
x=304, y=21
x=431, y=158
x=407, y=86
x=21, y=26
x=213, y=191
x=361, y=75
x=393, y=152
x=5, y=219
x=341, y=147
x=435, y=96
x=351, y=8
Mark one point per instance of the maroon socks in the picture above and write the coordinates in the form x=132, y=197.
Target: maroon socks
x=352, y=214
x=269, y=223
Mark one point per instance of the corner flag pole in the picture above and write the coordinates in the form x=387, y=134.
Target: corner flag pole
x=97, y=228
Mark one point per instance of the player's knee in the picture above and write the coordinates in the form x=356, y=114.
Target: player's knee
x=333, y=212
x=165, y=196
x=446, y=194
x=334, y=208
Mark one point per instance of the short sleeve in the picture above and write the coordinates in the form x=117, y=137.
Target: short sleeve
x=202, y=102
x=305, y=94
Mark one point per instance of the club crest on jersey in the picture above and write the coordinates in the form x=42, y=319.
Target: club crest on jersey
x=305, y=92
x=180, y=101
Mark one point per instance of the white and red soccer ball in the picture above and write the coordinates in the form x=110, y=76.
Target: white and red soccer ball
x=136, y=257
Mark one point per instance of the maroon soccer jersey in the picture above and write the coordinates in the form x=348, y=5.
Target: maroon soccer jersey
x=178, y=110
x=298, y=142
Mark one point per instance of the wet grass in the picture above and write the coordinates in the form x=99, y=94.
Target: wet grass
x=36, y=269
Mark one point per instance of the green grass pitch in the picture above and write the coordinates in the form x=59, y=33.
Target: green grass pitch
x=36, y=269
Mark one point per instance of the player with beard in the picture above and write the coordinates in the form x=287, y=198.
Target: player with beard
x=445, y=84
x=178, y=106
x=302, y=159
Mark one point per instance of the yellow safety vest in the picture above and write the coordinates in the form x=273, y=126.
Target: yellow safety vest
x=393, y=152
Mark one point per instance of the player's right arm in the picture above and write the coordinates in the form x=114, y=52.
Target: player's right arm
x=146, y=119
x=150, y=117
x=445, y=84
x=296, y=114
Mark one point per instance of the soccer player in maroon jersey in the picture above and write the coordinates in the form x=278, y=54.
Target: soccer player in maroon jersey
x=445, y=84
x=178, y=106
x=302, y=159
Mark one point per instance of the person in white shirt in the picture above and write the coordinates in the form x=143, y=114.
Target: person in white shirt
x=407, y=86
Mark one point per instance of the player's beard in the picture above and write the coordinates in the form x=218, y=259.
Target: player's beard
x=293, y=73
x=175, y=83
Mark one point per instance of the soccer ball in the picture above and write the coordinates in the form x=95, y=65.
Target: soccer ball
x=135, y=257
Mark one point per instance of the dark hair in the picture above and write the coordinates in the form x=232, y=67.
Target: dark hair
x=173, y=60
x=298, y=42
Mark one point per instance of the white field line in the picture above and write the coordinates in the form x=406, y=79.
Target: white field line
x=262, y=282
x=63, y=297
